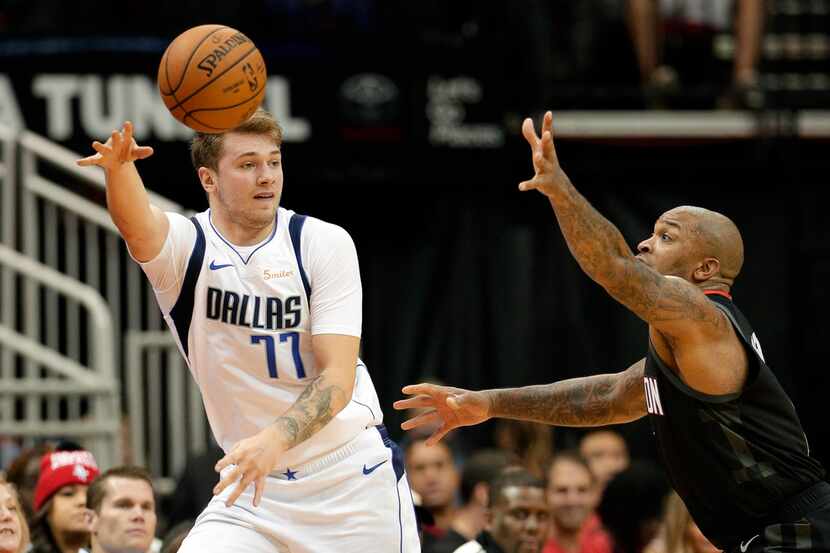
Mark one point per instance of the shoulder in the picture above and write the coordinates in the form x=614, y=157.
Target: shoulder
x=321, y=236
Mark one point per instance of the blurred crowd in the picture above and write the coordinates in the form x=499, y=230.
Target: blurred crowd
x=521, y=494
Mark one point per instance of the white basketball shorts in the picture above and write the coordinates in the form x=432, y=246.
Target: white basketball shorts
x=356, y=499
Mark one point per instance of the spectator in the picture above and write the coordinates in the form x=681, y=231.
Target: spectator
x=631, y=506
x=194, y=487
x=531, y=442
x=678, y=531
x=606, y=453
x=122, y=508
x=572, y=494
x=175, y=536
x=23, y=473
x=14, y=532
x=434, y=477
x=60, y=523
x=479, y=471
x=519, y=516
x=645, y=24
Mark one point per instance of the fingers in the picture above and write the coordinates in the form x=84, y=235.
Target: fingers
x=260, y=487
x=237, y=491
x=90, y=160
x=128, y=132
x=421, y=420
x=530, y=133
x=225, y=461
x=414, y=402
x=415, y=389
x=228, y=479
x=142, y=152
x=116, y=140
x=532, y=184
x=437, y=435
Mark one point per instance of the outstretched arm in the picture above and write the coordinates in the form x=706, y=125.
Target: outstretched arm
x=589, y=401
x=142, y=225
x=667, y=303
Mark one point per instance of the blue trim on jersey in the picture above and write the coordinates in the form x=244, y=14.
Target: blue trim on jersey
x=182, y=312
x=397, y=453
x=295, y=230
x=231, y=246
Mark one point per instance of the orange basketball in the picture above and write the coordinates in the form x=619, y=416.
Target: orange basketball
x=212, y=78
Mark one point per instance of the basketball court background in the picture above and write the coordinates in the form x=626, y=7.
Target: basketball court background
x=402, y=126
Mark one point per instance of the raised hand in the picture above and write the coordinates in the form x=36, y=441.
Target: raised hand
x=119, y=149
x=447, y=407
x=549, y=174
x=255, y=458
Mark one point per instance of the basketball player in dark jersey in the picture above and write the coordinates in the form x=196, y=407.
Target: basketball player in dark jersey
x=729, y=436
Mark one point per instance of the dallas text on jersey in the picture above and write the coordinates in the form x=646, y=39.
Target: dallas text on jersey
x=265, y=312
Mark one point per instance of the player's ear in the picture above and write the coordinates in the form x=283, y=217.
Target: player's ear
x=708, y=268
x=207, y=178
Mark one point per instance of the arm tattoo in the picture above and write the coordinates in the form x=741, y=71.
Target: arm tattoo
x=316, y=406
x=601, y=251
x=590, y=401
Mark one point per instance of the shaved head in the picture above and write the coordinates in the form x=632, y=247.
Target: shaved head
x=715, y=236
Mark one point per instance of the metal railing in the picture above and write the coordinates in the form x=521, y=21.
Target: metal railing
x=51, y=224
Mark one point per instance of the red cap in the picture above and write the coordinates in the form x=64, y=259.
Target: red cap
x=63, y=468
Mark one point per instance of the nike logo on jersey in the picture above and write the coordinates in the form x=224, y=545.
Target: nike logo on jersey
x=745, y=546
x=371, y=469
x=214, y=266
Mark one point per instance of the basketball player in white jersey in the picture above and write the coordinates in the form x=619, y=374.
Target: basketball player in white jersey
x=265, y=305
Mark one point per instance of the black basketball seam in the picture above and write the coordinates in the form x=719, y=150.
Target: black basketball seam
x=198, y=90
x=189, y=113
x=192, y=53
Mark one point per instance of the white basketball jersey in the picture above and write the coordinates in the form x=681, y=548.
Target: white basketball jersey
x=243, y=318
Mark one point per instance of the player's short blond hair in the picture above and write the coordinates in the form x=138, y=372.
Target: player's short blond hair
x=206, y=148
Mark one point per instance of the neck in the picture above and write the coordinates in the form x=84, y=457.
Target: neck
x=567, y=539
x=470, y=520
x=70, y=542
x=239, y=234
x=443, y=516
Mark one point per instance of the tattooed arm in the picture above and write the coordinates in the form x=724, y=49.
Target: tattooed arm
x=590, y=401
x=670, y=304
x=252, y=459
x=327, y=394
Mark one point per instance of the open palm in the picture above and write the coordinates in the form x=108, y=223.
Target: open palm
x=119, y=149
x=446, y=407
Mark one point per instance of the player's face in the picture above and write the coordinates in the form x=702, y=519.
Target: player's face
x=249, y=180
x=432, y=474
x=671, y=247
x=571, y=494
x=10, y=517
x=68, y=511
x=127, y=518
x=520, y=520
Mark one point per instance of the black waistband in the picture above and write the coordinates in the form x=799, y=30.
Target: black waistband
x=801, y=504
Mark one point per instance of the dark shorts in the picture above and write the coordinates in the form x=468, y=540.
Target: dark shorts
x=805, y=526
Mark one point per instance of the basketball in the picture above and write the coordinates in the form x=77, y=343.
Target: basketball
x=212, y=78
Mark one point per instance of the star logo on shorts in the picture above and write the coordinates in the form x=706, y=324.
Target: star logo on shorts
x=289, y=474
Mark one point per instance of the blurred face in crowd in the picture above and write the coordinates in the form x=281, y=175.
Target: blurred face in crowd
x=432, y=474
x=606, y=453
x=571, y=495
x=12, y=525
x=126, y=522
x=697, y=541
x=67, y=513
x=520, y=519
